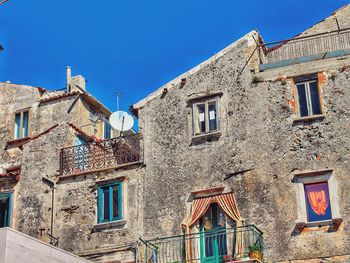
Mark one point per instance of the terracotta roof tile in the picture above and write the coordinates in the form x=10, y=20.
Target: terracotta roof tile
x=20, y=142
x=59, y=96
x=78, y=130
x=12, y=174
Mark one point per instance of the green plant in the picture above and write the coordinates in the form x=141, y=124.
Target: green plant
x=256, y=247
x=333, y=76
x=257, y=79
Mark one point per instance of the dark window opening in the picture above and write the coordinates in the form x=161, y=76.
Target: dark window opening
x=308, y=97
x=5, y=210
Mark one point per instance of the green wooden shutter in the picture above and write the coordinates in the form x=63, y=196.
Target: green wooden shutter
x=99, y=204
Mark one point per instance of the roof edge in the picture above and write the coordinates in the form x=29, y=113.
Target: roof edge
x=195, y=69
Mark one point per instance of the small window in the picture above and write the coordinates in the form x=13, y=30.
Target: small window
x=318, y=205
x=109, y=203
x=107, y=130
x=21, y=124
x=308, y=97
x=205, y=117
x=5, y=210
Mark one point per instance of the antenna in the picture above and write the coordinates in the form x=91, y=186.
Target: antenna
x=118, y=94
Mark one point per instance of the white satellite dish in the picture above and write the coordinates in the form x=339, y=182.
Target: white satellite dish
x=121, y=121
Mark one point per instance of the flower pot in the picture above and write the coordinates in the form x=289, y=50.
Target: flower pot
x=256, y=255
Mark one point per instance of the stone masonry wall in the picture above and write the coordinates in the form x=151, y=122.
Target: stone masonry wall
x=76, y=216
x=256, y=120
x=75, y=202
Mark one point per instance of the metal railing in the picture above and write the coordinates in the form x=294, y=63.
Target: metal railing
x=219, y=245
x=53, y=240
x=100, y=154
x=298, y=47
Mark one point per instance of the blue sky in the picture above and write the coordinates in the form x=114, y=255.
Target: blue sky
x=135, y=46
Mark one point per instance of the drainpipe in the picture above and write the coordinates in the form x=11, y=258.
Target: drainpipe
x=53, y=187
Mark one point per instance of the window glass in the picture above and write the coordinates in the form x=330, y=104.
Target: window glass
x=25, y=124
x=318, y=205
x=5, y=210
x=109, y=203
x=17, y=125
x=107, y=130
x=21, y=124
x=213, y=225
x=115, y=202
x=205, y=117
x=201, y=117
x=315, y=98
x=212, y=116
x=106, y=211
x=303, y=109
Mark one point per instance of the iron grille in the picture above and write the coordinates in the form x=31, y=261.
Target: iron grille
x=100, y=154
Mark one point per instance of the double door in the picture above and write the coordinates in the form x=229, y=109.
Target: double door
x=213, y=236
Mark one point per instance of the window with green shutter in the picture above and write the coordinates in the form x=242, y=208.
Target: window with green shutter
x=109, y=202
x=5, y=209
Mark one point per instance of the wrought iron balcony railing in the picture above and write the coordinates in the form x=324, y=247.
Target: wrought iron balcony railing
x=304, y=49
x=238, y=244
x=100, y=155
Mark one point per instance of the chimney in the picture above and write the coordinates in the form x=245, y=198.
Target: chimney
x=75, y=83
x=69, y=78
x=78, y=83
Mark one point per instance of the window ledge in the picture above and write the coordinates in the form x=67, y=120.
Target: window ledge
x=206, y=137
x=309, y=118
x=109, y=225
x=333, y=224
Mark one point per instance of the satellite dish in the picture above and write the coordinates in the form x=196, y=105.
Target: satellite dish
x=121, y=121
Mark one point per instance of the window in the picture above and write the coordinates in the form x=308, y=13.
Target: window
x=317, y=200
x=213, y=232
x=308, y=97
x=107, y=130
x=318, y=207
x=21, y=124
x=109, y=202
x=205, y=118
x=5, y=210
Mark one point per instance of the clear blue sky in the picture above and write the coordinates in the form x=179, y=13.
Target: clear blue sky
x=135, y=46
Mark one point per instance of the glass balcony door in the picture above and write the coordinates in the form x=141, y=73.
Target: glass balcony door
x=213, y=237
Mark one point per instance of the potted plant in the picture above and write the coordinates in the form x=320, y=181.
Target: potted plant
x=256, y=251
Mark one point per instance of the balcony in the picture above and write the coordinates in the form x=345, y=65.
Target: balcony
x=240, y=244
x=304, y=49
x=100, y=155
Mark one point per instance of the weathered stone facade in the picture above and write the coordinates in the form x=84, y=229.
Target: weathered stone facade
x=56, y=118
x=262, y=151
x=259, y=131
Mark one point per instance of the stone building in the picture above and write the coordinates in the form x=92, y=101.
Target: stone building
x=45, y=138
x=243, y=158
x=254, y=139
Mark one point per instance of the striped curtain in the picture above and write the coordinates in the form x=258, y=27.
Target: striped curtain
x=199, y=207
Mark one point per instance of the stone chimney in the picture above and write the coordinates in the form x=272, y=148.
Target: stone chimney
x=69, y=78
x=76, y=83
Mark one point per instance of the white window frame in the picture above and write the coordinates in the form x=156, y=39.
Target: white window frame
x=307, y=82
x=104, y=129
x=195, y=116
x=20, y=127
